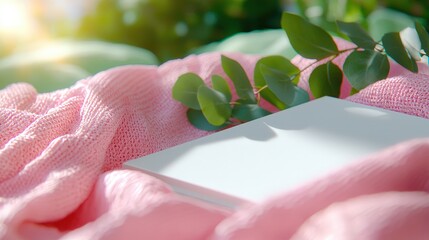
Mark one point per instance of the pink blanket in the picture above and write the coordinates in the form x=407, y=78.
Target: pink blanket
x=60, y=155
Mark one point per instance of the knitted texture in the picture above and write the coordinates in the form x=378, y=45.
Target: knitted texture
x=408, y=93
x=60, y=155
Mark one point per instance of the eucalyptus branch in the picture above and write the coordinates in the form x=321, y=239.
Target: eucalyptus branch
x=211, y=108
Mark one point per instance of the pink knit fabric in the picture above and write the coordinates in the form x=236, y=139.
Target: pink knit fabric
x=60, y=155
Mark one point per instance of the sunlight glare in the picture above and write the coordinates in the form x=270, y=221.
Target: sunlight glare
x=15, y=20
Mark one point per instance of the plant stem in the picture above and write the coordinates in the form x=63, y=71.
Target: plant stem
x=332, y=57
x=261, y=89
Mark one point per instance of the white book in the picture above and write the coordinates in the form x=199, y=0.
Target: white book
x=279, y=152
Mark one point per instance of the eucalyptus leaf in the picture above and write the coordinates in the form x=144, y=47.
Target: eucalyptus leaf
x=301, y=96
x=220, y=84
x=363, y=68
x=357, y=34
x=248, y=112
x=325, y=80
x=278, y=63
x=423, y=36
x=270, y=97
x=308, y=40
x=198, y=120
x=214, y=105
x=279, y=83
x=394, y=47
x=353, y=91
x=239, y=78
x=185, y=90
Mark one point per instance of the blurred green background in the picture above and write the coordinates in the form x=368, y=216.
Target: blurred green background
x=53, y=43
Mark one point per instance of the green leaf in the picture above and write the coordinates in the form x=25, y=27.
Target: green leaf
x=239, y=78
x=308, y=40
x=357, y=34
x=423, y=36
x=301, y=96
x=282, y=86
x=279, y=83
x=214, y=105
x=248, y=112
x=278, y=63
x=198, y=120
x=220, y=84
x=325, y=80
x=394, y=47
x=353, y=91
x=363, y=68
x=185, y=90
